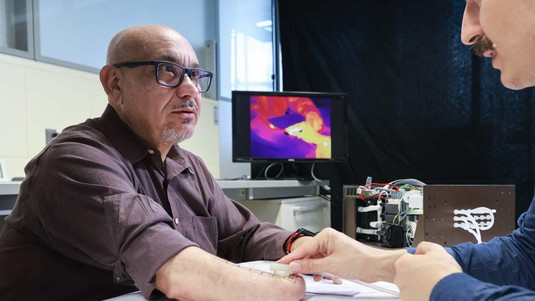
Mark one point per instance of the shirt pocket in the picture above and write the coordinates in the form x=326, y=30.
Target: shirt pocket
x=203, y=231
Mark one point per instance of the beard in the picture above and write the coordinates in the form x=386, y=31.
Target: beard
x=172, y=135
x=482, y=45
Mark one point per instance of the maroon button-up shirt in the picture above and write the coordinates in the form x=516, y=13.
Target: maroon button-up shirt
x=99, y=213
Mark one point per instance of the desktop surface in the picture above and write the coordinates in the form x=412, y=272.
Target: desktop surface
x=324, y=290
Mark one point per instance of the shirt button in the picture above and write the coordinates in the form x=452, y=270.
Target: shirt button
x=150, y=151
x=176, y=220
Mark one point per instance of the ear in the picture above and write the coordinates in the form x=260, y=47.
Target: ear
x=109, y=78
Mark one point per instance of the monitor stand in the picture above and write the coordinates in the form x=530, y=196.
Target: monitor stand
x=281, y=171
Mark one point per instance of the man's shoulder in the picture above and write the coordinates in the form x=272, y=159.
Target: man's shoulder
x=83, y=138
x=91, y=126
x=91, y=129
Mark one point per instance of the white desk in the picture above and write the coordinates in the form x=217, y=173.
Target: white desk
x=364, y=292
x=308, y=297
x=371, y=296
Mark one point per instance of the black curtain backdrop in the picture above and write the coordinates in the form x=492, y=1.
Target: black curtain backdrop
x=421, y=105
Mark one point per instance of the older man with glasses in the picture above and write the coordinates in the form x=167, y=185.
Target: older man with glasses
x=114, y=205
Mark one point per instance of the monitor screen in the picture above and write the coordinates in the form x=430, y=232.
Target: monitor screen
x=288, y=127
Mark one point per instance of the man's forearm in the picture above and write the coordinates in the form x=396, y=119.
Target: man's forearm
x=194, y=274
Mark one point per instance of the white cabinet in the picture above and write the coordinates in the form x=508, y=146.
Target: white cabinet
x=312, y=213
x=8, y=196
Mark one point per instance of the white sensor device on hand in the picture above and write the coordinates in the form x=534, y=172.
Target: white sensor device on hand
x=279, y=269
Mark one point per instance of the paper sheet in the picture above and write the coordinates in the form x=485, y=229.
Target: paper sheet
x=324, y=286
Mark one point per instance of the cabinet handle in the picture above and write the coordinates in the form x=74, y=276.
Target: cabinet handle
x=309, y=208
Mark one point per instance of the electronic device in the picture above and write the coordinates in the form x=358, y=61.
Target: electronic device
x=289, y=127
x=405, y=212
x=383, y=212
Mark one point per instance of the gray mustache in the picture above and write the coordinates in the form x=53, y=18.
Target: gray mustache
x=188, y=103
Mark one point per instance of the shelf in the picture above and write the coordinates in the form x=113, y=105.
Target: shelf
x=9, y=188
x=234, y=189
x=269, y=189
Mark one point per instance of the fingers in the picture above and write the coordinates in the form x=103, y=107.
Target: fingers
x=313, y=256
x=416, y=275
x=316, y=267
x=310, y=248
x=402, y=261
x=307, y=266
x=302, y=260
x=426, y=247
x=333, y=278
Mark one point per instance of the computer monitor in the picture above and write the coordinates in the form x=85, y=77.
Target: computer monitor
x=288, y=127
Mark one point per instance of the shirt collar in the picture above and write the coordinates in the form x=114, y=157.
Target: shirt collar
x=129, y=143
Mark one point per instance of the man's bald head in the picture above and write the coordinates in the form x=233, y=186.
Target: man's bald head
x=138, y=41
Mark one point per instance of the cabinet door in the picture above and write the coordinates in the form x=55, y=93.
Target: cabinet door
x=311, y=213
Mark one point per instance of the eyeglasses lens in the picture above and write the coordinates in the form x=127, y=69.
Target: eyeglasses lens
x=170, y=75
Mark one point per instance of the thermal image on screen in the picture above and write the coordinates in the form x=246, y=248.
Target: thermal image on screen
x=290, y=127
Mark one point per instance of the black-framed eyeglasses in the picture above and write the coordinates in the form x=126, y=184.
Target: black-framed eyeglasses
x=171, y=75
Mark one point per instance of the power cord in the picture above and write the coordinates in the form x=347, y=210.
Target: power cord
x=270, y=166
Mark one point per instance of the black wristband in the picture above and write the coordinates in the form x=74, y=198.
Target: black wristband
x=305, y=232
x=299, y=233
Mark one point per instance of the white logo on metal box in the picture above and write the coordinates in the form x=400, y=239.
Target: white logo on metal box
x=474, y=220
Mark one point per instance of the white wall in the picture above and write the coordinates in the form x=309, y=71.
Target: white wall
x=79, y=31
x=35, y=96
